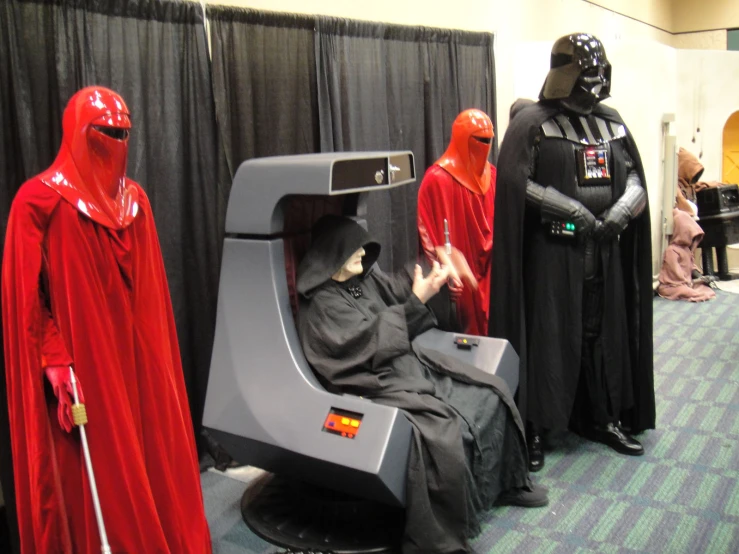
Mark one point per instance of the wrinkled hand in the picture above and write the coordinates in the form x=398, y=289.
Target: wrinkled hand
x=426, y=287
x=61, y=384
x=460, y=272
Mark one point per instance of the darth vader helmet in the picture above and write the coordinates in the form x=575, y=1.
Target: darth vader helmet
x=580, y=74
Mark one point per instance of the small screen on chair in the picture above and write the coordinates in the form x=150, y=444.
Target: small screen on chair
x=343, y=423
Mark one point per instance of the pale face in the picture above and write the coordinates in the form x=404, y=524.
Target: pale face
x=352, y=267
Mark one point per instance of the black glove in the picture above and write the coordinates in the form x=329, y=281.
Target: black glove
x=617, y=217
x=554, y=205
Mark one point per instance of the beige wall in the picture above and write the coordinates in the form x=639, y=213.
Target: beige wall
x=702, y=40
x=701, y=15
x=679, y=16
x=653, y=12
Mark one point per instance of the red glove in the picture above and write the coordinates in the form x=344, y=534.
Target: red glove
x=455, y=293
x=61, y=383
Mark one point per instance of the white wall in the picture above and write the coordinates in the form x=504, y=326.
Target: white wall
x=641, y=92
x=707, y=94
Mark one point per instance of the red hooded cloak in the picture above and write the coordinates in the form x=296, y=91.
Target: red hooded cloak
x=84, y=285
x=460, y=187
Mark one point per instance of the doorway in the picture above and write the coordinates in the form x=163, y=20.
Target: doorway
x=730, y=172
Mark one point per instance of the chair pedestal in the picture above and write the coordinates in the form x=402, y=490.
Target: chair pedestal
x=305, y=518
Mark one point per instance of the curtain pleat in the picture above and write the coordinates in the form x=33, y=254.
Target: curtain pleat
x=391, y=87
x=154, y=53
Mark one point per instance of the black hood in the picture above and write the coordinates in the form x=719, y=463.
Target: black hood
x=334, y=239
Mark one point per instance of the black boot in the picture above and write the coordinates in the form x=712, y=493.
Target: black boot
x=531, y=496
x=612, y=435
x=533, y=442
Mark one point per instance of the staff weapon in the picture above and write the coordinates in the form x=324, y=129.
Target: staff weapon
x=79, y=416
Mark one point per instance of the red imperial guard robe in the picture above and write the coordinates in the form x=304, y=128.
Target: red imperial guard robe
x=83, y=284
x=460, y=187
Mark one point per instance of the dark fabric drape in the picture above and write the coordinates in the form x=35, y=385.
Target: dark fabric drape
x=391, y=87
x=264, y=83
x=154, y=53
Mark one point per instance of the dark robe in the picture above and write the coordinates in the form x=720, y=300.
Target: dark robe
x=470, y=220
x=537, y=286
x=468, y=443
x=75, y=292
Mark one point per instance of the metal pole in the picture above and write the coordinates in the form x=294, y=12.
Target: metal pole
x=79, y=415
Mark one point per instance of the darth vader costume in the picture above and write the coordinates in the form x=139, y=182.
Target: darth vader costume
x=83, y=285
x=571, y=285
x=357, y=334
x=457, y=196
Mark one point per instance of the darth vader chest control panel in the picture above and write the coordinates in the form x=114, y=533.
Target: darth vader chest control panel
x=592, y=165
x=592, y=141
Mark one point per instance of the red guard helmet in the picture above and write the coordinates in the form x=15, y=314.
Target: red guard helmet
x=466, y=158
x=90, y=168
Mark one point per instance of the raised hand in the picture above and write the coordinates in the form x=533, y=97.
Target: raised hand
x=426, y=287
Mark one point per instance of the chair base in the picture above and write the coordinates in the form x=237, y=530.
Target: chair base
x=303, y=517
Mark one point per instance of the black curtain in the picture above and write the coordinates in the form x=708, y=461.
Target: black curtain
x=154, y=53
x=399, y=88
x=264, y=83
x=264, y=80
x=289, y=84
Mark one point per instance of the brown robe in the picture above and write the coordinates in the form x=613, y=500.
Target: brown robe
x=675, y=278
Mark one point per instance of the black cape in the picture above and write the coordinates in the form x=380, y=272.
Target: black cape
x=526, y=268
x=468, y=442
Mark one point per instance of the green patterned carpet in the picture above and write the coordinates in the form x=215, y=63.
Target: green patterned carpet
x=681, y=496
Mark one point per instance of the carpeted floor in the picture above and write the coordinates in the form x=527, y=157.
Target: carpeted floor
x=681, y=497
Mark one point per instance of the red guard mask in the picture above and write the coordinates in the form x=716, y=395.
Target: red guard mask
x=466, y=158
x=90, y=169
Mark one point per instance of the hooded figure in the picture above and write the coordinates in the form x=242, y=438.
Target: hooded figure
x=676, y=277
x=460, y=188
x=689, y=170
x=83, y=285
x=357, y=326
x=572, y=283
